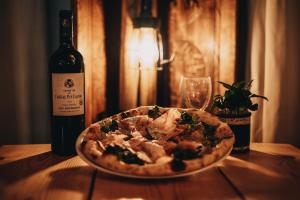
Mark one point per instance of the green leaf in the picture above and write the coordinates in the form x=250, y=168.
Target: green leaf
x=236, y=97
x=253, y=107
x=226, y=85
x=249, y=85
x=186, y=118
x=240, y=84
x=259, y=96
x=218, y=96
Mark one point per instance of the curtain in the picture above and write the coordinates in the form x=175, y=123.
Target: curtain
x=273, y=64
x=24, y=110
x=29, y=34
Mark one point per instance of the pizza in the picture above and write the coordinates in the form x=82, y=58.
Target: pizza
x=154, y=141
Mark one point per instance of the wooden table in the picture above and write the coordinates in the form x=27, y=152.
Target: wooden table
x=269, y=171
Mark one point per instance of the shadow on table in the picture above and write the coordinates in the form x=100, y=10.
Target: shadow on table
x=110, y=177
x=274, y=162
x=198, y=186
x=19, y=169
x=86, y=180
x=261, y=175
x=72, y=178
x=258, y=154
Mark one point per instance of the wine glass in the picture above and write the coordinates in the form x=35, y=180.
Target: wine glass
x=195, y=91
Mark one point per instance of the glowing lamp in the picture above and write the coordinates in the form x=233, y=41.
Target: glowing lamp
x=148, y=44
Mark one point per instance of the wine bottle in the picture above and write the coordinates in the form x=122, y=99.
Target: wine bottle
x=67, y=90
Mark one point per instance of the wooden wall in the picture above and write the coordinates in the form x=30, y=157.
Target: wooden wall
x=89, y=29
x=202, y=36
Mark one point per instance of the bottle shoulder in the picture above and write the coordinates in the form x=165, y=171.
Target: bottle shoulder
x=66, y=53
x=66, y=59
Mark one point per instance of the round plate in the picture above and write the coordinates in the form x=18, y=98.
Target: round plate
x=91, y=163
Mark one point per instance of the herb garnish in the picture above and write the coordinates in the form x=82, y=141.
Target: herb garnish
x=110, y=127
x=185, y=154
x=186, y=118
x=125, y=115
x=191, y=120
x=209, y=133
x=177, y=165
x=125, y=155
x=180, y=154
x=154, y=112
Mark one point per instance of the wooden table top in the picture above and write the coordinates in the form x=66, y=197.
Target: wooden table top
x=268, y=171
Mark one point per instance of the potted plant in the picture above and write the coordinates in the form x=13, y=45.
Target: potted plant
x=234, y=108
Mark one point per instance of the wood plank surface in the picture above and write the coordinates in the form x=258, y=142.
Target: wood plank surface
x=33, y=172
x=268, y=171
x=207, y=185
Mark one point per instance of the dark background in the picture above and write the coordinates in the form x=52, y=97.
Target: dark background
x=29, y=35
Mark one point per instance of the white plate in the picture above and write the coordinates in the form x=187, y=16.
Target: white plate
x=100, y=168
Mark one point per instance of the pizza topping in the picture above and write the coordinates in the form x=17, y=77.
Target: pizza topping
x=137, y=123
x=154, y=151
x=114, y=139
x=195, y=135
x=94, y=132
x=189, y=145
x=110, y=127
x=209, y=133
x=148, y=136
x=191, y=120
x=136, y=142
x=169, y=146
x=185, y=153
x=100, y=145
x=142, y=124
x=178, y=165
x=154, y=112
x=186, y=118
x=125, y=115
x=165, y=126
x=185, y=150
x=143, y=156
x=223, y=132
x=124, y=154
x=93, y=149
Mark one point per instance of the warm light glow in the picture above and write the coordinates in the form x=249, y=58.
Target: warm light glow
x=210, y=45
x=146, y=47
x=132, y=49
x=144, y=52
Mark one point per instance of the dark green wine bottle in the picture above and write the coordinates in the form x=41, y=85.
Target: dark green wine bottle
x=67, y=90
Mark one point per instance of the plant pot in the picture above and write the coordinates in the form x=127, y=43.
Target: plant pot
x=240, y=125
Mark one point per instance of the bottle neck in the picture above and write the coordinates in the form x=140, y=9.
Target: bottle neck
x=66, y=31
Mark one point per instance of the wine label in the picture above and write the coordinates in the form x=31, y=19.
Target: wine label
x=68, y=94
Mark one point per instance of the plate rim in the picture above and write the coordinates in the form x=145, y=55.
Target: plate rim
x=103, y=169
